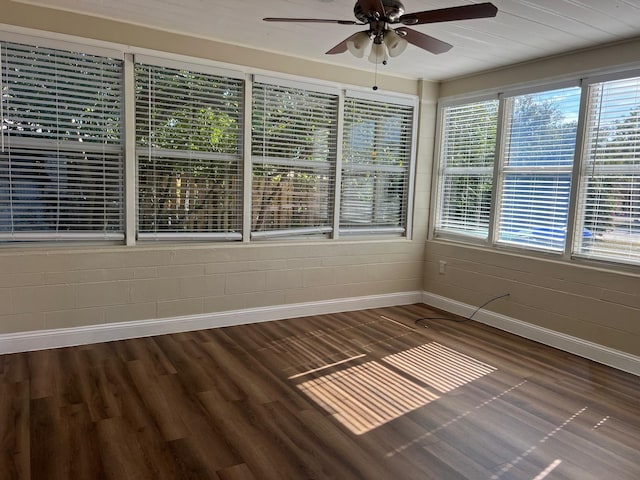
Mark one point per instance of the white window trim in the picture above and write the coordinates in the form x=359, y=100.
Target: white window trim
x=573, y=222
x=131, y=55
x=406, y=101
x=437, y=192
x=71, y=237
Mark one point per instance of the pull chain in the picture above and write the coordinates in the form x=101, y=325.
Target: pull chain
x=375, y=77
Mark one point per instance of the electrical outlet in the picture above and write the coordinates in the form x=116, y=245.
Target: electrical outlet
x=442, y=267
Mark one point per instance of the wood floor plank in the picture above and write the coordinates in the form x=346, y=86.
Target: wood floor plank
x=236, y=423
x=122, y=454
x=49, y=459
x=208, y=449
x=354, y=395
x=15, y=440
x=237, y=472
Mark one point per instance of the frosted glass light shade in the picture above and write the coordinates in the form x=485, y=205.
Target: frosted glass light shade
x=358, y=43
x=378, y=53
x=395, y=43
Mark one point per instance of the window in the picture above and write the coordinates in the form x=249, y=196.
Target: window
x=294, y=157
x=218, y=154
x=530, y=202
x=61, y=158
x=189, y=132
x=376, y=156
x=609, y=205
x=466, y=176
x=536, y=168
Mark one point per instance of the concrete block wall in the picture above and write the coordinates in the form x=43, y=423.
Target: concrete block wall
x=69, y=287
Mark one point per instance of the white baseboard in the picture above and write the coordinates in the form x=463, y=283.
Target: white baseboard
x=66, y=337
x=583, y=348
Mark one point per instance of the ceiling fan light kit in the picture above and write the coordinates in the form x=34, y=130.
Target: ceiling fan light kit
x=378, y=53
x=385, y=41
x=357, y=44
x=395, y=43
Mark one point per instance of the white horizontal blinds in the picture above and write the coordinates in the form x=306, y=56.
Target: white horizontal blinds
x=609, y=203
x=466, y=172
x=293, y=156
x=61, y=166
x=376, y=156
x=188, y=129
x=540, y=136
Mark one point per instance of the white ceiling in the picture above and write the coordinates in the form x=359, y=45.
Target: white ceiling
x=523, y=29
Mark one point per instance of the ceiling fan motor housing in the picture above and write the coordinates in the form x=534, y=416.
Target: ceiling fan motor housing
x=393, y=10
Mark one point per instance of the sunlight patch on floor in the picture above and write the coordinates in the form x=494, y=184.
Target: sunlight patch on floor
x=438, y=366
x=545, y=473
x=366, y=396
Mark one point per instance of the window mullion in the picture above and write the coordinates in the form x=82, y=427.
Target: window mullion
x=247, y=173
x=573, y=224
x=498, y=162
x=130, y=174
x=411, y=179
x=1, y=101
x=337, y=186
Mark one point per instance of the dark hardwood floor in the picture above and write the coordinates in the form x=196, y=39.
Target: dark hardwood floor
x=364, y=395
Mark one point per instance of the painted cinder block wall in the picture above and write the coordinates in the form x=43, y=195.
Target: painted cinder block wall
x=72, y=287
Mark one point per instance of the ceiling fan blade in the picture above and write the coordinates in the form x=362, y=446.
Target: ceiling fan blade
x=423, y=41
x=371, y=7
x=311, y=20
x=465, y=12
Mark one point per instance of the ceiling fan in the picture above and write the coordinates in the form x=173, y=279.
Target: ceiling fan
x=379, y=15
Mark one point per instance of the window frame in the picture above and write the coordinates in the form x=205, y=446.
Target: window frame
x=568, y=253
x=40, y=236
x=130, y=56
x=581, y=179
x=502, y=169
x=329, y=165
x=147, y=61
x=439, y=174
x=406, y=227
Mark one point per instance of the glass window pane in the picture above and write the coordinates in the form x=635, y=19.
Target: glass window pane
x=540, y=136
x=294, y=156
x=62, y=168
x=376, y=157
x=188, y=127
x=466, y=172
x=610, y=186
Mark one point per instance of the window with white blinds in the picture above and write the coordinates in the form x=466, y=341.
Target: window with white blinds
x=609, y=202
x=189, y=132
x=61, y=155
x=466, y=174
x=536, y=168
x=376, y=157
x=294, y=134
